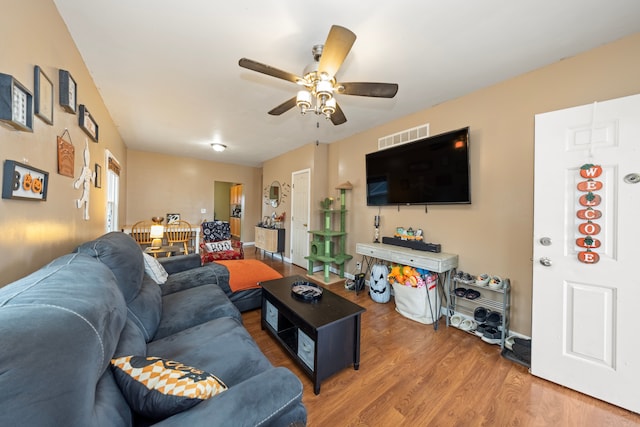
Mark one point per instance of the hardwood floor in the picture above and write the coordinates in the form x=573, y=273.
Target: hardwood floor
x=411, y=375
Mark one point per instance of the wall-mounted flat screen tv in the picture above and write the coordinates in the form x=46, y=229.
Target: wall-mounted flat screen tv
x=433, y=170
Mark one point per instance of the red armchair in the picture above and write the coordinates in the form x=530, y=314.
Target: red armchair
x=217, y=243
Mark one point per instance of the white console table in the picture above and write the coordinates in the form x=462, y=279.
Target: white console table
x=441, y=263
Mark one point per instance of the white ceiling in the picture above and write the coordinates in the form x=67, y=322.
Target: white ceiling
x=168, y=71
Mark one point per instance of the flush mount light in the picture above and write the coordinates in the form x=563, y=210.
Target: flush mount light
x=218, y=147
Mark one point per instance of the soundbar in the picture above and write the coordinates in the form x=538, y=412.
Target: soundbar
x=412, y=244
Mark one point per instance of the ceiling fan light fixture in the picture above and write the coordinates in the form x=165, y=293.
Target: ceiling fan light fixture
x=303, y=100
x=329, y=107
x=218, y=147
x=324, y=89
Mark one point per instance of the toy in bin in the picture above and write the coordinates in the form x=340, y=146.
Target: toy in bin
x=411, y=276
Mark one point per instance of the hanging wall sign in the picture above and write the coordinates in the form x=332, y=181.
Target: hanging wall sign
x=589, y=200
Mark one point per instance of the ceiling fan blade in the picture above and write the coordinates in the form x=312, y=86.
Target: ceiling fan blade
x=284, y=107
x=379, y=90
x=336, y=49
x=268, y=70
x=338, y=118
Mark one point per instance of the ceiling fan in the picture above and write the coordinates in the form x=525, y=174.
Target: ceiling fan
x=319, y=79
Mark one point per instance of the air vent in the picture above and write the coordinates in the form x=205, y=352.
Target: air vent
x=404, y=136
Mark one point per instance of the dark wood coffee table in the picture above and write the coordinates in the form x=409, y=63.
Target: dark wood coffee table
x=323, y=337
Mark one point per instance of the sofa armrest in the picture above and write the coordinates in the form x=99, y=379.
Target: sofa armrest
x=268, y=398
x=176, y=264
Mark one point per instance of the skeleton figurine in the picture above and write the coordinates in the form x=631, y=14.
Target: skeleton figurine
x=87, y=176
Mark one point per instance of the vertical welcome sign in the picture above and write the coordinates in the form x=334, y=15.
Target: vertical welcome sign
x=589, y=213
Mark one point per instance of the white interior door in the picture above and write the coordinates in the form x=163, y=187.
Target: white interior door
x=585, y=249
x=300, y=217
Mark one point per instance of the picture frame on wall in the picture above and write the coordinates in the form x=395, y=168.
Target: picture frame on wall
x=68, y=92
x=87, y=123
x=173, y=218
x=24, y=182
x=42, y=96
x=98, y=180
x=16, y=104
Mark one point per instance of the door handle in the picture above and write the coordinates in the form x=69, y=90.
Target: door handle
x=304, y=225
x=545, y=261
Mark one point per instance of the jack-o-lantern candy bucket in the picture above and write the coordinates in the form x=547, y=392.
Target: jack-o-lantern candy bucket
x=379, y=284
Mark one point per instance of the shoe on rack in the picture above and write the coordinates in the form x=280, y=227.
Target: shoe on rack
x=472, y=294
x=460, y=292
x=455, y=320
x=494, y=319
x=492, y=335
x=480, y=329
x=495, y=283
x=468, y=325
x=480, y=314
x=482, y=280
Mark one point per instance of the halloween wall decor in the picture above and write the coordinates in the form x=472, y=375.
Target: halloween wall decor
x=87, y=176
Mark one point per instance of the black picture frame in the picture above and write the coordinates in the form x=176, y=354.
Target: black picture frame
x=16, y=104
x=16, y=185
x=68, y=92
x=87, y=123
x=98, y=180
x=42, y=96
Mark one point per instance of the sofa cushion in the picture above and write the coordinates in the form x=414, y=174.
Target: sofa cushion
x=154, y=269
x=222, y=346
x=59, y=328
x=207, y=274
x=158, y=388
x=145, y=308
x=184, y=309
x=123, y=256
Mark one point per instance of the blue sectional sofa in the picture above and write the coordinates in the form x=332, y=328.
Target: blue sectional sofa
x=61, y=326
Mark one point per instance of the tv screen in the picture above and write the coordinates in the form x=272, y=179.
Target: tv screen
x=433, y=170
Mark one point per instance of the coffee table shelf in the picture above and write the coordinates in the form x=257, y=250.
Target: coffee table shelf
x=323, y=337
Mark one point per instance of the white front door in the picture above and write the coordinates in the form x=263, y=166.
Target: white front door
x=585, y=250
x=300, y=217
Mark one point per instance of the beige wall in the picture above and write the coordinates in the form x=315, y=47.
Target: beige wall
x=494, y=233
x=185, y=186
x=33, y=233
x=311, y=156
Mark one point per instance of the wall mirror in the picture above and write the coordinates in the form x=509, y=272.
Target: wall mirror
x=274, y=194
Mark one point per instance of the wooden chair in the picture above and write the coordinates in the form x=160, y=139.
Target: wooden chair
x=141, y=233
x=179, y=232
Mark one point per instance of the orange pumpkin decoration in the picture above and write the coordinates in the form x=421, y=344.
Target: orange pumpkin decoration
x=589, y=228
x=590, y=199
x=588, y=257
x=26, y=183
x=36, y=186
x=590, y=185
x=589, y=214
x=590, y=171
x=588, y=242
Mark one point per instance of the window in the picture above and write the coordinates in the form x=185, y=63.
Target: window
x=113, y=192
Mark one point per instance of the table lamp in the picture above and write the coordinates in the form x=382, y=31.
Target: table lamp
x=157, y=232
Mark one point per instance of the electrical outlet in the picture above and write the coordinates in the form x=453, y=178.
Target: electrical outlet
x=358, y=266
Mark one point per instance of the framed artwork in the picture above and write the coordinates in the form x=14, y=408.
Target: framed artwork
x=16, y=104
x=87, y=123
x=68, y=92
x=66, y=157
x=98, y=180
x=43, y=96
x=20, y=181
x=172, y=218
